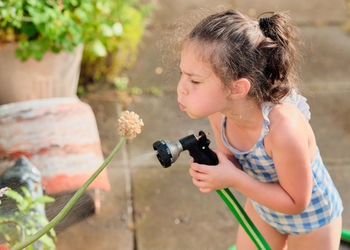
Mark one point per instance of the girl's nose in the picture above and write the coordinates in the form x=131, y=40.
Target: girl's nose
x=181, y=88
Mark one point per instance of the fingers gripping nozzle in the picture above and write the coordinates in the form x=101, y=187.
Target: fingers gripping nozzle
x=198, y=147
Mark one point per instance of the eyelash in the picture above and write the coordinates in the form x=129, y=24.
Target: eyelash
x=192, y=81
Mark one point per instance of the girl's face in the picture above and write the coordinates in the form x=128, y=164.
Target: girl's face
x=200, y=92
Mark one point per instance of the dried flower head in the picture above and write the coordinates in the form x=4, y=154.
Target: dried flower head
x=3, y=191
x=129, y=124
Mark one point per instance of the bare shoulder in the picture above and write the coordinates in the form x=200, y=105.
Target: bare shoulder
x=284, y=116
x=287, y=127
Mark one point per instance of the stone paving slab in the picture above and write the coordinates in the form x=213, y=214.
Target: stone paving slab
x=331, y=123
x=170, y=12
x=326, y=58
x=313, y=11
x=172, y=214
x=107, y=230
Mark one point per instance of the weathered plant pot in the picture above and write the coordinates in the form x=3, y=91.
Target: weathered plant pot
x=56, y=75
x=59, y=136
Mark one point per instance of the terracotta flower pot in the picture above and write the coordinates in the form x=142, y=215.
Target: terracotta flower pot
x=56, y=75
x=59, y=136
x=4, y=247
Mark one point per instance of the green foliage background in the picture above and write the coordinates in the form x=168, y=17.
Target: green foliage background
x=114, y=44
x=109, y=29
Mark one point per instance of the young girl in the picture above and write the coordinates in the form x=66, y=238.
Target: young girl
x=239, y=73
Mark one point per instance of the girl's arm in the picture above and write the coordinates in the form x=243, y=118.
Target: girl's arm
x=288, y=142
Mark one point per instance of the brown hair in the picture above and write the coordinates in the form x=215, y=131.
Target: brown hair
x=239, y=47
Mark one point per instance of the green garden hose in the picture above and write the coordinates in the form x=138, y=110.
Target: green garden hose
x=345, y=235
x=243, y=219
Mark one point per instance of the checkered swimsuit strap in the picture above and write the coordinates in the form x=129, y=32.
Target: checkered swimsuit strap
x=266, y=108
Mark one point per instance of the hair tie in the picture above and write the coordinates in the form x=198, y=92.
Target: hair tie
x=265, y=24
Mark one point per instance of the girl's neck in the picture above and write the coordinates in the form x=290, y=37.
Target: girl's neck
x=245, y=114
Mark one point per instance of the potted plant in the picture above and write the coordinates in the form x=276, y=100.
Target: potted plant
x=52, y=34
x=25, y=220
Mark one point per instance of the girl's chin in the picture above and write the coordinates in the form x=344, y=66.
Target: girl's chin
x=193, y=116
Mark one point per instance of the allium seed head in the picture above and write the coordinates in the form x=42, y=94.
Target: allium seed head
x=129, y=124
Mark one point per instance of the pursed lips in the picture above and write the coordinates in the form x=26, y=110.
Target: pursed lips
x=182, y=107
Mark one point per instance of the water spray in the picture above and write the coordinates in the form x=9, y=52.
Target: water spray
x=198, y=147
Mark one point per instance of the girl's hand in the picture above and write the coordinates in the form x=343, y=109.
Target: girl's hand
x=210, y=178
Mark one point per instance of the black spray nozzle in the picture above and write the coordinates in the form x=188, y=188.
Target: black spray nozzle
x=164, y=155
x=191, y=141
x=198, y=147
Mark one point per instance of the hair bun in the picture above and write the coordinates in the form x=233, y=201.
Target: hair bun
x=266, y=26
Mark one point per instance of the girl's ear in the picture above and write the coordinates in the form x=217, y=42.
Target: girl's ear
x=240, y=88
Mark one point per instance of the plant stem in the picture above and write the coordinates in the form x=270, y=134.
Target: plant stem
x=71, y=202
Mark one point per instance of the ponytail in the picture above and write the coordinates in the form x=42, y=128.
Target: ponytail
x=280, y=54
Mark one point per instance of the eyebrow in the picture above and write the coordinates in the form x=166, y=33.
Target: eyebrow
x=192, y=74
x=189, y=73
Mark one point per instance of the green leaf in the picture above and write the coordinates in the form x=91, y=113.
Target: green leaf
x=30, y=225
x=38, y=55
x=156, y=91
x=29, y=29
x=52, y=233
x=47, y=241
x=43, y=199
x=117, y=29
x=103, y=6
x=121, y=83
x=41, y=219
x=107, y=30
x=26, y=193
x=135, y=91
x=74, y=2
x=23, y=205
x=11, y=218
x=82, y=15
x=14, y=195
x=99, y=49
x=87, y=6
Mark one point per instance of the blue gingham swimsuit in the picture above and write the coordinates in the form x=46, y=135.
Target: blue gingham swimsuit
x=325, y=204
